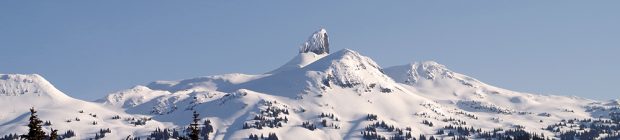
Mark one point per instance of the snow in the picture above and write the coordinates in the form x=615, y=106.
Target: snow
x=204, y=83
x=344, y=83
x=21, y=92
x=131, y=97
x=299, y=61
x=28, y=85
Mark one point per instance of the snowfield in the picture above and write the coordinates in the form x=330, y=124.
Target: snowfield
x=316, y=95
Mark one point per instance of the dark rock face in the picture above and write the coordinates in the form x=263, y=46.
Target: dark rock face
x=317, y=43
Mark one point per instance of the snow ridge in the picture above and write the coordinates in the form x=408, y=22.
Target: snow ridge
x=131, y=97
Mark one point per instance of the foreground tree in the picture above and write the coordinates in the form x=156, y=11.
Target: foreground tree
x=207, y=129
x=54, y=134
x=35, y=132
x=194, y=129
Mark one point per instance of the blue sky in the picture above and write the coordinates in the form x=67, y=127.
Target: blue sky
x=90, y=48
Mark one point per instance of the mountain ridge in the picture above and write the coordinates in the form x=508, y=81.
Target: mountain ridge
x=322, y=95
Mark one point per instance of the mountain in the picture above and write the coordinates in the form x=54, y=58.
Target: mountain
x=345, y=68
x=19, y=93
x=317, y=95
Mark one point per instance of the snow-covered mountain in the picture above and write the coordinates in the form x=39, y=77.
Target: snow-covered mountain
x=316, y=95
x=20, y=92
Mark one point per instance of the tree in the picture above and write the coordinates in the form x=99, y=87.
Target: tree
x=194, y=130
x=422, y=137
x=324, y=123
x=68, y=134
x=207, y=129
x=35, y=132
x=54, y=134
x=272, y=136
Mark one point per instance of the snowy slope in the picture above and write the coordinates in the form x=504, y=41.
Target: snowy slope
x=489, y=103
x=345, y=68
x=315, y=48
x=342, y=94
x=131, y=97
x=203, y=83
x=21, y=92
x=299, y=61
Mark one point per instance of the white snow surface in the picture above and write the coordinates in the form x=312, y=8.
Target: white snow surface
x=299, y=61
x=21, y=92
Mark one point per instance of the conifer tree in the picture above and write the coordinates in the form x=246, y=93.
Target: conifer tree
x=54, y=134
x=194, y=130
x=207, y=129
x=35, y=132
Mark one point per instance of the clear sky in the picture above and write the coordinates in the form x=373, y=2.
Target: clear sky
x=90, y=48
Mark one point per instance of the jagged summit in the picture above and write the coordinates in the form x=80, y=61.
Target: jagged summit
x=315, y=48
x=317, y=43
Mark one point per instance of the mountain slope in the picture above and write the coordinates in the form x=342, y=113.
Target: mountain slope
x=345, y=68
x=21, y=92
x=333, y=84
x=450, y=89
x=315, y=48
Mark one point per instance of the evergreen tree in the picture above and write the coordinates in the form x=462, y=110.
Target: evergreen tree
x=422, y=137
x=54, y=134
x=68, y=134
x=272, y=136
x=207, y=129
x=175, y=133
x=194, y=130
x=35, y=132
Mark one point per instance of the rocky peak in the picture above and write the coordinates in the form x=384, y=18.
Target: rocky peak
x=317, y=43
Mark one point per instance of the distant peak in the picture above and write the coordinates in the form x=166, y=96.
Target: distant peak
x=317, y=43
x=28, y=84
x=429, y=65
x=346, y=52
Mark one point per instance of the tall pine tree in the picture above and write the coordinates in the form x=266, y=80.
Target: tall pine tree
x=194, y=129
x=35, y=132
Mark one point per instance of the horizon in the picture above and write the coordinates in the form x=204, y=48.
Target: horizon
x=87, y=51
